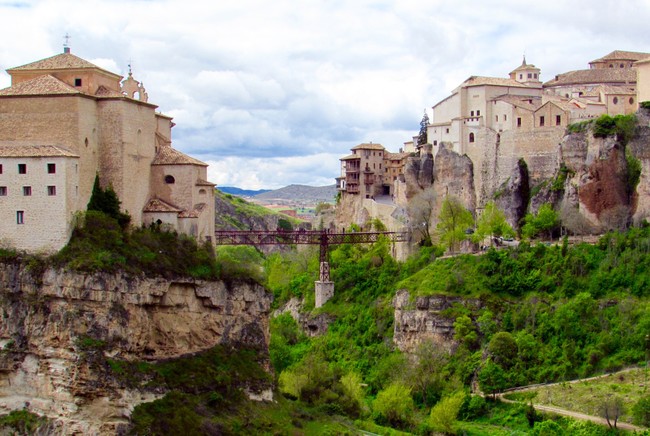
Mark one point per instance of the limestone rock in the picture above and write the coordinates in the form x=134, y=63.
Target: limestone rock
x=454, y=177
x=47, y=320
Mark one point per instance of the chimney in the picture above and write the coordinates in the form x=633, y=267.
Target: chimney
x=66, y=49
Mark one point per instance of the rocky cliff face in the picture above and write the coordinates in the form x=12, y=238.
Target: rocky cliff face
x=50, y=321
x=424, y=319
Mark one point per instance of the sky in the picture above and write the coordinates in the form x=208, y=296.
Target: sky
x=271, y=93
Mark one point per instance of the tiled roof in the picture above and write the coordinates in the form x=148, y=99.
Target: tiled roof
x=369, y=146
x=496, y=81
x=194, y=213
x=168, y=156
x=103, y=91
x=597, y=75
x=623, y=55
x=530, y=103
x=396, y=156
x=157, y=205
x=41, y=85
x=202, y=182
x=17, y=149
x=62, y=61
x=351, y=156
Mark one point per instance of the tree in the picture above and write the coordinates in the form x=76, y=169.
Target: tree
x=420, y=211
x=503, y=349
x=492, y=222
x=106, y=201
x=611, y=409
x=394, y=404
x=422, y=136
x=464, y=332
x=453, y=222
x=641, y=411
x=445, y=412
x=492, y=378
x=546, y=220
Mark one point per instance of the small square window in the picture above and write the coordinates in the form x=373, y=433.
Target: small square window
x=20, y=217
x=77, y=82
x=3, y=191
x=51, y=190
x=27, y=190
x=51, y=168
x=22, y=168
x=0, y=168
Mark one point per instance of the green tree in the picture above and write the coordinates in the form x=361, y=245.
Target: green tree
x=492, y=378
x=453, y=222
x=503, y=349
x=611, y=409
x=546, y=220
x=394, y=404
x=492, y=222
x=106, y=201
x=445, y=412
x=465, y=332
x=641, y=411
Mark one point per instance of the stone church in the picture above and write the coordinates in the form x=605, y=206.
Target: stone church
x=63, y=121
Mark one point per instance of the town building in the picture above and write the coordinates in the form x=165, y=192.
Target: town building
x=64, y=121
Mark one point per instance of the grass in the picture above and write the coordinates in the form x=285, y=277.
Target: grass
x=587, y=396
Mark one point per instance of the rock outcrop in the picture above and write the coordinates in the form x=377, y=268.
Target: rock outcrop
x=423, y=319
x=49, y=320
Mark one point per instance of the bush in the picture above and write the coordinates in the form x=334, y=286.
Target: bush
x=394, y=404
x=641, y=410
x=444, y=413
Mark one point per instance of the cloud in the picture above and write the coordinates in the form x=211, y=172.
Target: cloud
x=256, y=89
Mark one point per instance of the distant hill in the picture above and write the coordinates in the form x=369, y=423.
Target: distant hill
x=299, y=193
x=241, y=192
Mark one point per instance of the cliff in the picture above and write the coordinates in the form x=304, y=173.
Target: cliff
x=59, y=328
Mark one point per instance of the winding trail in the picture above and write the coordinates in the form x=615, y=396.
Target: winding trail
x=571, y=413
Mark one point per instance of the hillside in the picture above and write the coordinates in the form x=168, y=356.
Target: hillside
x=241, y=192
x=235, y=213
x=298, y=194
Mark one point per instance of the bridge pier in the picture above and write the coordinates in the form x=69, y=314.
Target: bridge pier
x=324, y=291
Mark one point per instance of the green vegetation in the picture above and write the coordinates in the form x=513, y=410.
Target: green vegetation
x=645, y=104
x=453, y=223
x=537, y=314
x=491, y=223
x=21, y=422
x=546, y=220
x=560, y=180
x=238, y=213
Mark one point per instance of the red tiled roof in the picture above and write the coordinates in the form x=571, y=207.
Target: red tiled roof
x=594, y=76
x=168, y=156
x=370, y=146
x=62, y=61
x=202, y=182
x=157, y=205
x=41, y=85
x=17, y=149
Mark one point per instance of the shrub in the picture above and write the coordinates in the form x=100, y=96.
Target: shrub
x=444, y=413
x=394, y=404
x=641, y=410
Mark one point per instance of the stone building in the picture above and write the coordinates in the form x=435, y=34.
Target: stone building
x=370, y=170
x=63, y=121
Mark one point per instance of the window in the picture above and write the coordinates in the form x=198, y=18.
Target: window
x=3, y=191
x=478, y=113
x=530, y=75
x=471, y=137
x=51, y=190
x=615, y=101
x=77, y=82
x=518, y=121
x=631, y=102
x=558, y=120
x=505, y=117
x=471, y=113
x=435, y=142
x=496, y=118
x=202, y=191
x=170, y=180
x=541, y=121
x=20, y=217
x=51, y=168
x=22, y=168
x=0, y=168
x=535, y=75
x=27, y=190
x=521, y=76
x=447, y=130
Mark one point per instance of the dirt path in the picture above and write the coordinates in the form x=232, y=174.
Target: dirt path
x=570, y=413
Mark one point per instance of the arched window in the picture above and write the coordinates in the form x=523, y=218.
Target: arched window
x=471, y=137
x=170, y=180
x=201, y=191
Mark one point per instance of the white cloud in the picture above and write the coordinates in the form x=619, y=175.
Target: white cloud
x=257, y=87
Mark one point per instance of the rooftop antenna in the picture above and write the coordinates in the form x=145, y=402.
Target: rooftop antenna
x=66, y=43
